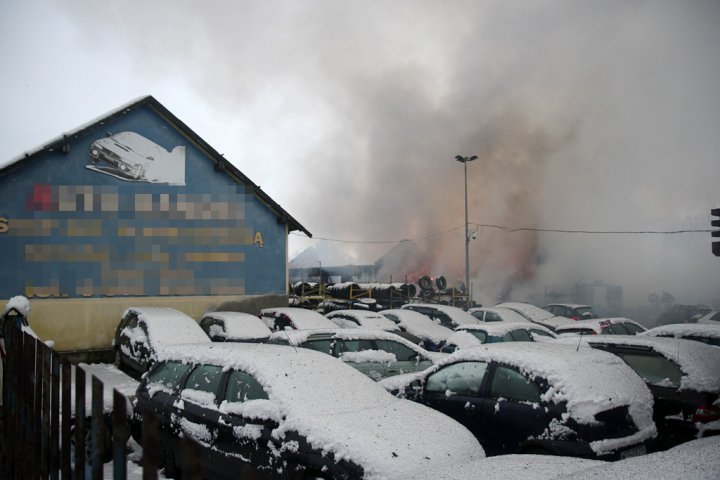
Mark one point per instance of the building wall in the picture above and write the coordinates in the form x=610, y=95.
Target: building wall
x=170, y=227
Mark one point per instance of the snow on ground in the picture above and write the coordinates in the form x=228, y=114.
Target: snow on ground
x=696, y=460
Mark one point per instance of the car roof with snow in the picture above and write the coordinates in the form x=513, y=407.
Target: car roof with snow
x=499, y=329
x=589, y=381
x=505, y=314
x=366, y=318
x=699, y=363
x=536, y=314
x=167, y=326
x=302, y=318
x=239, y=325
x=341, y=411
x=595, y=324
x=457, y=315
x=569, y=305
x=298, y=337
x=679, y=330
x=419, y=324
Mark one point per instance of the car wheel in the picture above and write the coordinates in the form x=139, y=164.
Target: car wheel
x=106, y=454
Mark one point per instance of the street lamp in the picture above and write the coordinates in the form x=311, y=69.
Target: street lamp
x=464, y=161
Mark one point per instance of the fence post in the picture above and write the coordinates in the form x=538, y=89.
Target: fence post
x=150, y=446
x=55, y=417
x=98, y=429
x=66, y=421
x=36, y=412
x=192, y=460
x=79, y=423
x=121, y=433
x=45, y=445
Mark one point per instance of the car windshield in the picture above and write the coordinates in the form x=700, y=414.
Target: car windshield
x=324, y=345
x=653, y=368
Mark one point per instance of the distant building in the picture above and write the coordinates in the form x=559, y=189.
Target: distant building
x=135, y=209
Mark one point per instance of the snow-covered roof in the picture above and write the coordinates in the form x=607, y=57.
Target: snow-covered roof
x=590, y=381
x=696, y=460
x=167, y=326
x=367, y=319
x=302, y=319
x=420, y=325
x=595, y=324
x=680, y=330
x=457, y=315
x=505, y=314
x=536, y=314
x=341, y=411
x=699, y=363
x=97, y=123
x=240, y=325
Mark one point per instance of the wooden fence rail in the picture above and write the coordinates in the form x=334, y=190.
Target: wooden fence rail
x=44, y=437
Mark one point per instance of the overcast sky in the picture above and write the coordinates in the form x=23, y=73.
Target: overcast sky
x=585, y=115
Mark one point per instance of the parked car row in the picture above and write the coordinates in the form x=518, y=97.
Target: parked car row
x=282, y=410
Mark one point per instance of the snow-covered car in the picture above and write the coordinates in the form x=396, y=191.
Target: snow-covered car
x=375, y=353
x=433, y=334
x=683, y=314
x=144, y=331
x=681, y=374
x=469, y=336
x=710, y=318
x=573, y=311
x=536, y=314
x=281, y=318
x=601, y=326
x=446, y=315
x=538, y=398
x=705, y=333
x=489, y=314
x=268, y=411
x=370, y=321
x=234, y=327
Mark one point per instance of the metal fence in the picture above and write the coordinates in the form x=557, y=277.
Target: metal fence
x=47, y=432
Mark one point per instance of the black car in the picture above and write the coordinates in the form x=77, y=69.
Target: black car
x=144, y=331
x=683, y=376
x=270, y=411
x=542, y=398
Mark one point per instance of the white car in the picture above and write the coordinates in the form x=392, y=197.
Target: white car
x=469, y=336
x=445, y=315
x=536, y=314
x=433, y=334
x=489, y=314
x=362, y=319
x=705, y=333
x=601, y=326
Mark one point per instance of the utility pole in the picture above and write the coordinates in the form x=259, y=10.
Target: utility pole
x=464, y=161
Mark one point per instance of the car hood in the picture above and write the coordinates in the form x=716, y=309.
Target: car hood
x=392, y=441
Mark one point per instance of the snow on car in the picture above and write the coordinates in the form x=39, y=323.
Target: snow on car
x=681, y=374
x=445, y=315
x=144, y=331
x=234, y=327
x=375, y=353
x=489, y=314
x=281, y=411
x=602, y=326
x=280, y=318
x=361, y=319
x=469, y=336
x=538, y=397
x=536, y=314
x=706, y=333
x=433, y=334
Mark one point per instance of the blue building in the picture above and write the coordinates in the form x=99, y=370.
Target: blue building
x=135, y=209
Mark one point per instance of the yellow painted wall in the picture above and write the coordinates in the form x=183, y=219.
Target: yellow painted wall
x=89, y=323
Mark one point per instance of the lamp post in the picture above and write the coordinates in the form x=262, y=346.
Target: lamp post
x=464, y=161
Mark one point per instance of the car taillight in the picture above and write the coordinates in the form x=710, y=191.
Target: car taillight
x=706, y=413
